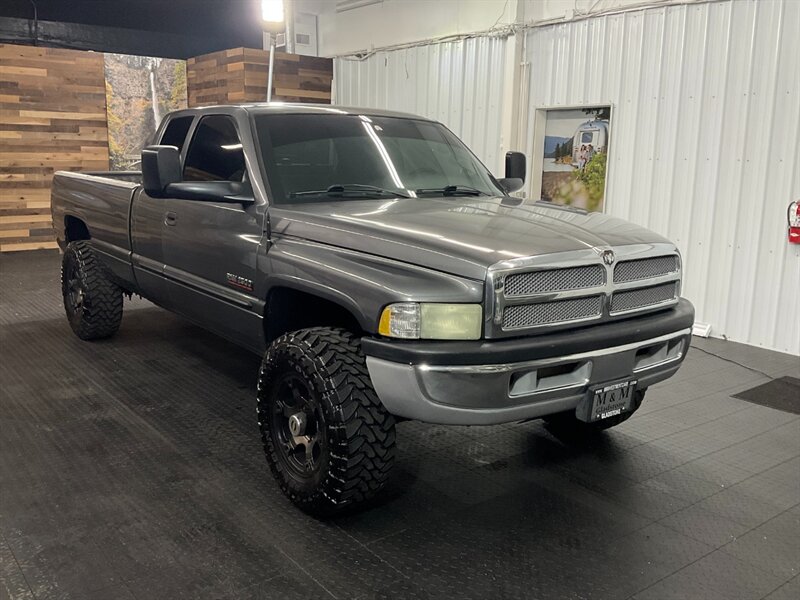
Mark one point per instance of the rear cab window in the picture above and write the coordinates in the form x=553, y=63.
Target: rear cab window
x=175, y=133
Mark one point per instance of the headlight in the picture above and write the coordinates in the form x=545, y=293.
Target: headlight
x=410, y=320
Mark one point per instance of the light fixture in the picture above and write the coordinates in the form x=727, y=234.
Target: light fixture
x=272, y=11
x=272, y=18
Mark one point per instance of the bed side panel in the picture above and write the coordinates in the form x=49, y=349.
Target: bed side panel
x=103, y=205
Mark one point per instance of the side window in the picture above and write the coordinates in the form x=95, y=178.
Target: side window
x=175, y=133
x=215, y=152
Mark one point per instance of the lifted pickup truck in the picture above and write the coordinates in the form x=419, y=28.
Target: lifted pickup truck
x=382, y=272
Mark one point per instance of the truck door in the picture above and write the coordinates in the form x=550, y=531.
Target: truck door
x=147, y=224
x=211, y=248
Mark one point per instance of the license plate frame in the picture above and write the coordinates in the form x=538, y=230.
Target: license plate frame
x=607, y=400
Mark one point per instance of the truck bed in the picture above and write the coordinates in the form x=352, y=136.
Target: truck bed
x=132, y=176
x=101, y=201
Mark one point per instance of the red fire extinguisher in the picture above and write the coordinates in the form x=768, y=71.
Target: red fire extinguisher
x=793, y=216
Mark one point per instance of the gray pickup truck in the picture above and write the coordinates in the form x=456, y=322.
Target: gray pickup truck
x=383, y=273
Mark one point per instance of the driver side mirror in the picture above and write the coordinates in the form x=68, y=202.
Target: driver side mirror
x=515, y=172
x=236, y=192
x=162, y=178
x=161, y=166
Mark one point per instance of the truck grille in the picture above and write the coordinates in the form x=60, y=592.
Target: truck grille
x=559, y=311
x=556, y=280
x=643, y=297
x=557, y=290
x=645, y=268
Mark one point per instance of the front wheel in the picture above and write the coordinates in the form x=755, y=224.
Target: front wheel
x=327, y=438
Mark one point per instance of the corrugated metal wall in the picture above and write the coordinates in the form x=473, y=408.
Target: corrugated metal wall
x=458, y=83
x=705, y=132
x=704, y=145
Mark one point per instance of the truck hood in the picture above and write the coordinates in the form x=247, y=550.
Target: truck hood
x=458, y=235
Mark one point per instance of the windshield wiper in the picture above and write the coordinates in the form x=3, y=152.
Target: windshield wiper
x=453, y=190
x=341, y=189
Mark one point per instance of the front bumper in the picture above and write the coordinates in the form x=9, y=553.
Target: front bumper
x=484, y=383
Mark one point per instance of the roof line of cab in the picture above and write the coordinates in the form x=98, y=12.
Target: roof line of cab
x=296, y=108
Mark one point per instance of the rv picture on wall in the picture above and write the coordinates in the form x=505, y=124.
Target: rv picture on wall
x=575, y=150
x=140, y=90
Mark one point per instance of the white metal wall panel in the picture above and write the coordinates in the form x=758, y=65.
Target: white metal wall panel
x=704, y=146
x=705, y=133
x=459, y=83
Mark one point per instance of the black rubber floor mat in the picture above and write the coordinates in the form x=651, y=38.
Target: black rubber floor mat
x=148, y=444
x=782, y=393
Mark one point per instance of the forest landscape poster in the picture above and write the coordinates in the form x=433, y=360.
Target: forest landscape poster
x=140, y=90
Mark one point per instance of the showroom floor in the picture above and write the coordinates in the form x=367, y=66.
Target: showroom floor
x=132, y=468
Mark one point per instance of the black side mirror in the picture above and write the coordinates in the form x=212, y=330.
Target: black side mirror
x=237, y=192
x=161, y=166
x=515, y=172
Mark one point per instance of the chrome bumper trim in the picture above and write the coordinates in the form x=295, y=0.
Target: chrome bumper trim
x=500, y=393
x=502, y=368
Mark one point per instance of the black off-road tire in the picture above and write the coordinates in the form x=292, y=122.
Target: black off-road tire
x=354, y=451
x=567, y=424
x=92, y=302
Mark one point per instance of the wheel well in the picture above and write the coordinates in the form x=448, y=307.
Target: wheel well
x=75, y=229
x=289, y=310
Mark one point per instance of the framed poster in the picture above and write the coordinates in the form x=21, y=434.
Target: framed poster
x=140, y=90
x=574, y=157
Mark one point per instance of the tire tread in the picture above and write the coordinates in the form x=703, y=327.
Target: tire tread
x=102, y=312
x=361, y=433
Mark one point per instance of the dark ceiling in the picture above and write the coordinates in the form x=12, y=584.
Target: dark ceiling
x=221, y=23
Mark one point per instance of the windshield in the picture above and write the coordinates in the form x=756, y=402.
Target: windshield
x=320, y=157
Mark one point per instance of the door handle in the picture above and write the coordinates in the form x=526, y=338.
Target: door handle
x=170, y=219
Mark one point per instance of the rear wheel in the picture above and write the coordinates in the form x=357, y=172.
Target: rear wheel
x=92, y=301
x=327, y=438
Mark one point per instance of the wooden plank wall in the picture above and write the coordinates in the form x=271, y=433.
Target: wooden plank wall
x=240, y=75
x=52, y=117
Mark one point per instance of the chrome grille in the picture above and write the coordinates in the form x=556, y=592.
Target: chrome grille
x=559, y=311
x=550, y=291
x=645, y=268
x=643, y=297
x=555, y=280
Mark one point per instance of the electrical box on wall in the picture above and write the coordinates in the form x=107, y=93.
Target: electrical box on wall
x=305, y=34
